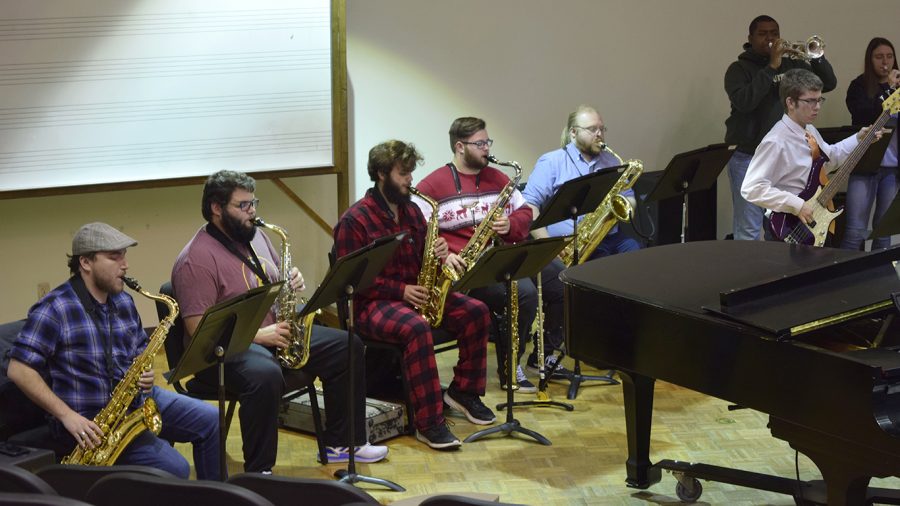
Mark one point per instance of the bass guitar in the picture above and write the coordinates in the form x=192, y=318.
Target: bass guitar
x=820, y=191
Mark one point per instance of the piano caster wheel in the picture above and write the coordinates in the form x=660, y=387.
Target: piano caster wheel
x=690, y=492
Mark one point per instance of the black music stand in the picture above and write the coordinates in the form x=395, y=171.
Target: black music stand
x=503, y=264
x=871, y=159
x=576, y=197
x=689, y=172
x=351, y=273
x=225, y=329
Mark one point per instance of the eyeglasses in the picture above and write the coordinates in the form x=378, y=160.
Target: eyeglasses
x=594, y=130
x=812, y=101
x=245, y=205
x=480, y=144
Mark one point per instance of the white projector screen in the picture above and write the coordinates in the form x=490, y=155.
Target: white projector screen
x=112, y=91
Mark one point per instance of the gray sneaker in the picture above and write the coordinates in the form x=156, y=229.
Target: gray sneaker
x=525, y=386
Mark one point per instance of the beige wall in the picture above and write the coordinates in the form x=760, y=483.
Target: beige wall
x=37, y=234
x=653, y=67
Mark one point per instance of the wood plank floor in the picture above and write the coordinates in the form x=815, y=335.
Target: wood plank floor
x=585, y=463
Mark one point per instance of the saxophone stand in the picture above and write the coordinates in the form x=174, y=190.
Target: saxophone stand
x=543, y=398
x=225, y=330
x=689, y=172
x=504, y=264
x=352, y=273
x=574, y=198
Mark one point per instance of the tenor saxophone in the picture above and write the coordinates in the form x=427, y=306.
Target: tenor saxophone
x=118, y=425
x=296, y=354
x=433, y=309
x=483, y=234
x=613, y=208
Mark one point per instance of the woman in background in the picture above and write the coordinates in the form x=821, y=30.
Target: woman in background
x=865, y=94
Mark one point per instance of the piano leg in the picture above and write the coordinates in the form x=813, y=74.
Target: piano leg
x=638, y=390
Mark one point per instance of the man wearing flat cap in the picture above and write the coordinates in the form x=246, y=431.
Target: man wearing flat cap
x=83, y=336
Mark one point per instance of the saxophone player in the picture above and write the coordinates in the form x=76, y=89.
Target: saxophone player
x=582, y=151
x=226, y=257
x=467, y=190
x=84, y=335
x=386, y=311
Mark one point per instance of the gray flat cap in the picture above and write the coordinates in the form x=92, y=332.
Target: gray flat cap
x=99, y=237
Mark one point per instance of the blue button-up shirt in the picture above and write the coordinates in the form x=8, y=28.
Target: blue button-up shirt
x=62, y=339
x=557, y=167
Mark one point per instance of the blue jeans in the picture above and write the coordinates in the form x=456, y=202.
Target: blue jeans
x=184, y=420
x=862, y=191
x=615, y=243
x=747, y=220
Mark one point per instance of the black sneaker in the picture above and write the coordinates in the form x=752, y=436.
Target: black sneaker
x=525, y=386
x=470, y=405
x=560, y=373
x=439, y=437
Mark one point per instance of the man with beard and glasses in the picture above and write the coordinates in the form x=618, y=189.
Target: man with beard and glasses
x=227, y=257
x=466, y=189
x=79, y=342
x=581, y=152
x=386, y=310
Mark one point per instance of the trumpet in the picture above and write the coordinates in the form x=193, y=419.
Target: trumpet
x=813, y=48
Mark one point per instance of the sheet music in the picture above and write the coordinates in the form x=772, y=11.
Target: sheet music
x=111, y=91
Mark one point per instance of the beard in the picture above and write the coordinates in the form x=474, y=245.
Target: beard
x=236, y=229
x=589, y=148
x=475, y=161
x=393, y=193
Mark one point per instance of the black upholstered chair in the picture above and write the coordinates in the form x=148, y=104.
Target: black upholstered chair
x=18, y=480
x=144, y=490
x=286, y=491
x=27, y=424
x=458, y=500
x=297, y=382
x=73, y=480
x=9, y=499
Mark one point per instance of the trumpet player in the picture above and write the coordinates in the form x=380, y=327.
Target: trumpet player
x=225, y=258
x=84, y=335
x=751, y=83
x=386, y=311
x=582, y=151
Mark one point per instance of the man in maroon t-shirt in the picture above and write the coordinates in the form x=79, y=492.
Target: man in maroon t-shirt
x=225, y=258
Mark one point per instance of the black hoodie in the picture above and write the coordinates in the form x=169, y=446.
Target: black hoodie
x=752, y=88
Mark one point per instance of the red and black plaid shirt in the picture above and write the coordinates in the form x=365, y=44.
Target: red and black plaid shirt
x=371, y=218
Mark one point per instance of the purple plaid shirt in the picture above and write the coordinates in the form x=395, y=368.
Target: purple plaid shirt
x=369, y=219
x=62, y=339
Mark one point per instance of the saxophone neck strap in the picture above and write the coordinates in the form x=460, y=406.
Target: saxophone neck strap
x=255, y=265
x=456, y=181
x=90, y=307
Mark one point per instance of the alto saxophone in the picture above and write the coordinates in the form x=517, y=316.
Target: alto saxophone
x=433, y=309
x=120, y=427
x=296, y=354
x=483, y=233
x=614, y=207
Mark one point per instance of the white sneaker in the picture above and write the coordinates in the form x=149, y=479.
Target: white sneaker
x=367, y=453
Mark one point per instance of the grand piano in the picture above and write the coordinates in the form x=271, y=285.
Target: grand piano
x=806, y=335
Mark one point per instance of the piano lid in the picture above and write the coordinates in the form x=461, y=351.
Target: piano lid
x=776, y=287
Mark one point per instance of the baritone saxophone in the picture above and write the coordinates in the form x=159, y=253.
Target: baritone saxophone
x=118, y=425
x=296, y=354
x=612, y=209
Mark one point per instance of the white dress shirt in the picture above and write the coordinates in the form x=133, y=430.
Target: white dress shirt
x=780, y=167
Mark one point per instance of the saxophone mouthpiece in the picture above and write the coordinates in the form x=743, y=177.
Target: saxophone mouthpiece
x=493, y=159
x=603, y=146
x=258, y=222
x=132, y=283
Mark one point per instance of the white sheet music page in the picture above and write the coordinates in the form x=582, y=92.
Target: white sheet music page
x=103, y=91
